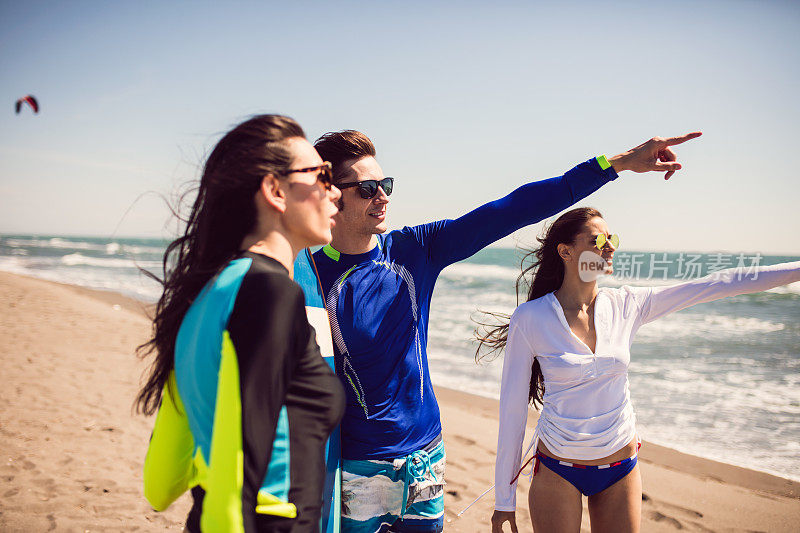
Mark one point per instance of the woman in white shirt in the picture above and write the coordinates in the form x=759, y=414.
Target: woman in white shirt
x=568, y=350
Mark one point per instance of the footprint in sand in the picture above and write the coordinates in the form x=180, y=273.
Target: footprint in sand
x=456, y=484
x=46, y=488
x=477, y=462
x=492, y=453
x=655, y=516
x=464, y=440
x=669, y=514
x=10, y=493
x=690, y=513
x=103, y=486
x=161, y=519
x=701, y=527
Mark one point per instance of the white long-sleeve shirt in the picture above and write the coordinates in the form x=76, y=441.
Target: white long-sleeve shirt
x=587, y=412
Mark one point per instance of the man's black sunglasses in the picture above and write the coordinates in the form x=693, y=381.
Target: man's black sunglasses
x=369, y=188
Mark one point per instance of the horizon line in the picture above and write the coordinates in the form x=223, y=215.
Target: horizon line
x=488, y=247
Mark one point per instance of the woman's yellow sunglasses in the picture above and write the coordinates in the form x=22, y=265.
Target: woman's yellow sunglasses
x=602, y=240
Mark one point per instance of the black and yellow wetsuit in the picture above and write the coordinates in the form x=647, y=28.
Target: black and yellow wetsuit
x=246, y=413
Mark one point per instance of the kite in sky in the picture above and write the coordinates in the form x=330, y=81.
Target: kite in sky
x=30, y=100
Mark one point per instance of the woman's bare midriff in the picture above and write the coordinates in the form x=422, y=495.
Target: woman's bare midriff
x=629, y=450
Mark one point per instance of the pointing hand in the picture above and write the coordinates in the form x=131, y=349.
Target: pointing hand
x=654, y=155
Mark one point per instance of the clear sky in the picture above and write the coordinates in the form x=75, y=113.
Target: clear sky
x=464, y=101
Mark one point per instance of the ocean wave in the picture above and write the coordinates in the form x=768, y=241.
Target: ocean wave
x=455, y=305
x=719, y=411
x=141, y=249
x=134, y=285
x=792, y=288
x=54, y=243
x=106, y=262
x=697, y=442
x=731, y=396
x=13, y=264
x=457, y=370
x=683, y=325
x=57, y=243
x=462, y=271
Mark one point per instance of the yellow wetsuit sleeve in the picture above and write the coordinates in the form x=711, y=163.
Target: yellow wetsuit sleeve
x=168, y=465
x=222, y=504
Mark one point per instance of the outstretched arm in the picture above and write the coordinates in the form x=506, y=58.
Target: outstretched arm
x=657, y=302
x=453, y=240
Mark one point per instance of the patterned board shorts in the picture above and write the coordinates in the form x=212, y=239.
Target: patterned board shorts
x=406, y=494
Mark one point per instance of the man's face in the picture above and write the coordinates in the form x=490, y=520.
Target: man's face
x=357, y=215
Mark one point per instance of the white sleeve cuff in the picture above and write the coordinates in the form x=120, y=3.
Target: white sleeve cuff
x=512, y=509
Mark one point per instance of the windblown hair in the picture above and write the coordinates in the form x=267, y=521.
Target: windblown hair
x=340, y=146
x=546, y=271
x=223, y=214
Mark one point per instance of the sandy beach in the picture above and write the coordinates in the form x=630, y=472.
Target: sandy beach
x=72, y=448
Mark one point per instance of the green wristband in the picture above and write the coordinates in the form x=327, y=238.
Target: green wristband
x=603, y=162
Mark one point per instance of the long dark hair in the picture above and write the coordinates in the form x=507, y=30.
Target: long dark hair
x=222, y=215
x=547, y=269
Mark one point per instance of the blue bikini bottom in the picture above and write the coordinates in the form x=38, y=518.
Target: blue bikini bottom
x=586, y=478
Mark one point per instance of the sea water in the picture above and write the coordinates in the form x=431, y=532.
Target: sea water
x=719, y=380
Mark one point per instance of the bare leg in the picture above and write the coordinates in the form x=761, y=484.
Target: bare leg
x=618, y=509
x=555, y=504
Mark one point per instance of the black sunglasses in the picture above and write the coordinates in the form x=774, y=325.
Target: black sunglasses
x=324, y=173
x=369, y=188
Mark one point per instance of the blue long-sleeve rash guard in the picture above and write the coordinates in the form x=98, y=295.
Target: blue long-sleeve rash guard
x=378, y=303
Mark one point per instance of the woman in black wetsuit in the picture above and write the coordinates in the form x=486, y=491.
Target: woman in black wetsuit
x=248, y=402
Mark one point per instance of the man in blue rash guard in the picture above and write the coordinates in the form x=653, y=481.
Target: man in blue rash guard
x=378, y=288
